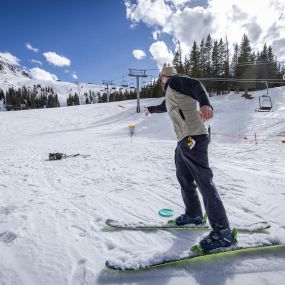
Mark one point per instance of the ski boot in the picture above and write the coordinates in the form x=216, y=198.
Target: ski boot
x=185, y=219
x=218, y=238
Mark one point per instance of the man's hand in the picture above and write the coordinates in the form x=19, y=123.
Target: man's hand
x=205, y=113
x=146, y=111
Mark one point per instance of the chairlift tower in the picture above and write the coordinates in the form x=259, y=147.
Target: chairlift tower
x=107, y=83
x=138, y=73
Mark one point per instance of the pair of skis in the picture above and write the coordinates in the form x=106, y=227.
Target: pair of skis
x=196, y=251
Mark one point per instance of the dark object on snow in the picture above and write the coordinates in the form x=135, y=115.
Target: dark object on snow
x=247, y=96
x=56, y=156
x=59, y=156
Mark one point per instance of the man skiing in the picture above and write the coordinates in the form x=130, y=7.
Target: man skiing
x=191, y=155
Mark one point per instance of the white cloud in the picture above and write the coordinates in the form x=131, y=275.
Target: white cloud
x=161, y=54
x=36, y=61
x=57, y=60
x=40, y=74
x=30, y=47
x=9, y=58
x=262, y=21
x=74, y=76
x=150, y=12
x=139, y=54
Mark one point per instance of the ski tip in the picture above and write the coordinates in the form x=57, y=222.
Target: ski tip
x=110, y=265
x=108, y=222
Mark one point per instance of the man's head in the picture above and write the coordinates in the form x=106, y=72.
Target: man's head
x=166, y=72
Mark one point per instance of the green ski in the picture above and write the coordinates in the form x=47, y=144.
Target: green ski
x=171, y=225
x=196, y=255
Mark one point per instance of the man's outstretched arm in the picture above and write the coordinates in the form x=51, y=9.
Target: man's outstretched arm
x=156, y=109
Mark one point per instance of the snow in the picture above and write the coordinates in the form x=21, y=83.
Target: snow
x=52, y=213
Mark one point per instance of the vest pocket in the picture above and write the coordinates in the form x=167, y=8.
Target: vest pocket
x=178, y=120
x=181, y=114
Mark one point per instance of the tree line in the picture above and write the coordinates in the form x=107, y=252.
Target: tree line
x=211, y=61
x=152, y=90
x=29, y=98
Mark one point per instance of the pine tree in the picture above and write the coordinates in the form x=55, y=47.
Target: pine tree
x=215, y=60
x=227, y=59
x=186, y=65
x=261, y=63
x=216, y=65
x=202, y=59
x=177, y=60
x=246, y=68
x=234, y=63
x=208, y=55
x=2, y=96
x=272, y=64
x=56, y=101
x=194, y=61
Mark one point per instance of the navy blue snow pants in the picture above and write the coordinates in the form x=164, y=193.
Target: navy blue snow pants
x=192, y=170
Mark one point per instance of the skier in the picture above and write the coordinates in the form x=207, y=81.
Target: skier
x=191, y=155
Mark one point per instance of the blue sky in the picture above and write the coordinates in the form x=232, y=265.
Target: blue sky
x=91, y=41
x=94, y=35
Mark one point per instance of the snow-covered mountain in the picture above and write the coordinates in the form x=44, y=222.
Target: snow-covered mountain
x=18, y=77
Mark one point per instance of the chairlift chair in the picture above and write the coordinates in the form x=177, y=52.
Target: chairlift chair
x=124, y=83
x=132, y=85
x=265, y=102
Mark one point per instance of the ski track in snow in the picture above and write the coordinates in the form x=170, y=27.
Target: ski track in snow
x=52, y=213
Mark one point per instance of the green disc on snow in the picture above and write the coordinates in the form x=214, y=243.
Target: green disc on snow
x=166, y=212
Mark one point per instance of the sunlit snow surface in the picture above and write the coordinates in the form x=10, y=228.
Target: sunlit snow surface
x=52, y=213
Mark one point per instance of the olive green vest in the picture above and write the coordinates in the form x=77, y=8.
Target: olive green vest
x=183, y=112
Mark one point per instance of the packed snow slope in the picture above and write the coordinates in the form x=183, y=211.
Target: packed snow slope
x=52, y=213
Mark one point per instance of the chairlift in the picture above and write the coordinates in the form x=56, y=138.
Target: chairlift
x=144, y=86
x=265, y=102
x=132, y=85
x=124, y=83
